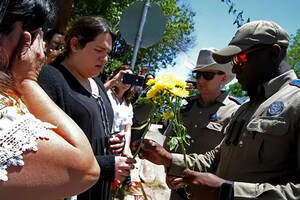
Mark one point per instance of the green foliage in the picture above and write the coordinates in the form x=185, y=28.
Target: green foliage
x=110, y=67
x=236, y=90
x=294, y=53
x=239, y=20
x=177, y=36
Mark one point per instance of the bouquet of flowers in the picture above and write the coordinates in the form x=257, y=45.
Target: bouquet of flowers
x=166, y=96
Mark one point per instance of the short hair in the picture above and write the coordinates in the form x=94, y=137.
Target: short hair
x=50, y=33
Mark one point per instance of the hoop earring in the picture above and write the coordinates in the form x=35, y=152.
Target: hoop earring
x=4, y=59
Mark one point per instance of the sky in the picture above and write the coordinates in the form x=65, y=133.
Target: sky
x=214, y=26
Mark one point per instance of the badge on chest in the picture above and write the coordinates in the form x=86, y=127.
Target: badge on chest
x=276, y=108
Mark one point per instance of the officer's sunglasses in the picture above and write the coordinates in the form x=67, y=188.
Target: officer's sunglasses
x=207, y=75
x=241, y=58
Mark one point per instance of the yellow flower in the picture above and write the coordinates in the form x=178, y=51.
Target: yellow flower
x=179, y=92
x=181, y=84
x=167, y=83
x=167, y=115
x=152, y=92
x=151, y=82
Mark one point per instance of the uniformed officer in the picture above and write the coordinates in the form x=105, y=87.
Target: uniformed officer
x=259, y=156
x=207, y=113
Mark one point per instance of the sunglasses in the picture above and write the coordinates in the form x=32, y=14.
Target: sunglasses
x=3, y=8
x=241, y=58
x=207, y=75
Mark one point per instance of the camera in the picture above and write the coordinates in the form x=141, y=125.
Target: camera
x=133, y=79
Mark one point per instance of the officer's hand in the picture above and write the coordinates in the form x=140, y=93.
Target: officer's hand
x=123, y=165
x=153, y=152
x=204, y=185
x=116, y=143
x=174, y=182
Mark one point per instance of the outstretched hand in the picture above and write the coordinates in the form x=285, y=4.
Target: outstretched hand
x=29, y=58
x=204, y=185
x=153, y=152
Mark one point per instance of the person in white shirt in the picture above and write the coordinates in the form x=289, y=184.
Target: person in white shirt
x=120, y=95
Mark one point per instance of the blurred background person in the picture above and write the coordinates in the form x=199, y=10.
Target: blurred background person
x=54, y=40
x=70, y=81
x=147, y=78
x=43, y=153
x=120, y=95
x=206, y=114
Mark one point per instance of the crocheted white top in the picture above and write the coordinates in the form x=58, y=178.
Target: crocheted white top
x=19, y=131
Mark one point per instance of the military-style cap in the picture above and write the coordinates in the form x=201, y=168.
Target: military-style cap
x=251, y=34
x=206, y=62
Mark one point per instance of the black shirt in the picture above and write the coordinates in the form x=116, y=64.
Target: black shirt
x=66, y=91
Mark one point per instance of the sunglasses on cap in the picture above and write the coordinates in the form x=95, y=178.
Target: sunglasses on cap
x=3, y=7
x=241, y=58
x=207, y=75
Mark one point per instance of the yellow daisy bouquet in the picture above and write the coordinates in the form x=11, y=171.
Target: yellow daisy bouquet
x=166, y=95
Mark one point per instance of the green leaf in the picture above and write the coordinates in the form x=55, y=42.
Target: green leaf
x=186, y=138
x=173, y=143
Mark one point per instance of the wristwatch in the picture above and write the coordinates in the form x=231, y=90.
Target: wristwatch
x=226, y=191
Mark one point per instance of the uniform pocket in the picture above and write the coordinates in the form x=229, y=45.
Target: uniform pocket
x=276, y=126
x=274, y=133
x=214, y=126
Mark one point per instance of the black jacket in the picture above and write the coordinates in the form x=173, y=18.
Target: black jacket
x=66, y=91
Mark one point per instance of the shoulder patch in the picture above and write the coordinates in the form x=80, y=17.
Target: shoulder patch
x=295, y=82
x=234, y=99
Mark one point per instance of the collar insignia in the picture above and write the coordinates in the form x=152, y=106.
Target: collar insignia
x=213, y=117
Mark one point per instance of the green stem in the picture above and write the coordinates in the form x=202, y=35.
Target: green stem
x=184, y=153
x=179, y=132
x=143, y=191
x=143, y=136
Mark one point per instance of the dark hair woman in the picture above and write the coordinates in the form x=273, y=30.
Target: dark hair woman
x=32, y=168
x=70, y=81
x=120, y=96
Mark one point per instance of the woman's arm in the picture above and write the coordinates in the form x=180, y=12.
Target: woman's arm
x=116, y=80
x=64, y=164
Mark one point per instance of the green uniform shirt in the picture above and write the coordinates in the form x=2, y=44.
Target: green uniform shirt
x=205, y=123
x=261, y=150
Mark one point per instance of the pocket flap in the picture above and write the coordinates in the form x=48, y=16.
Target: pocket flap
x=270, y=125
x=215, y=126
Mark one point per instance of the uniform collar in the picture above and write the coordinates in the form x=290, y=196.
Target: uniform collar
x=220, y=99
x=278, y=82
